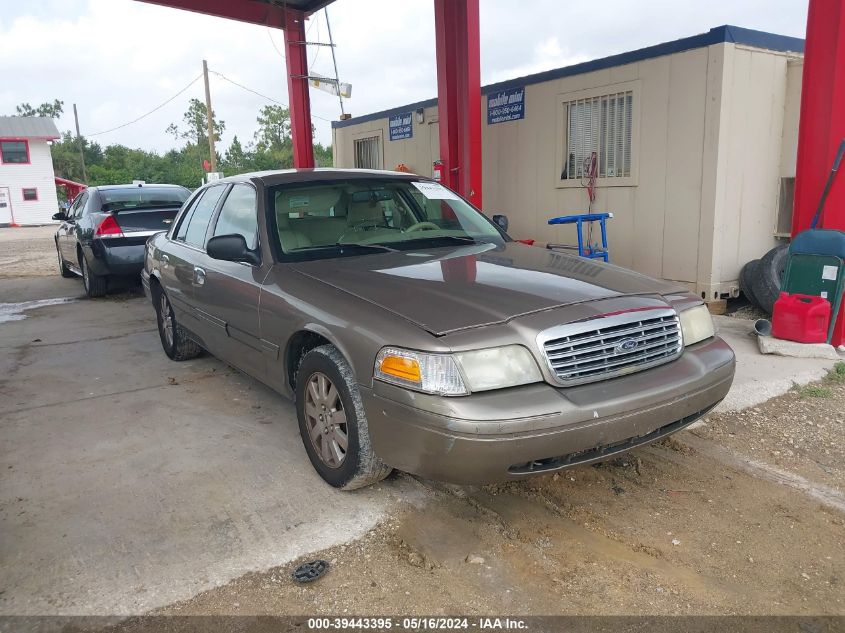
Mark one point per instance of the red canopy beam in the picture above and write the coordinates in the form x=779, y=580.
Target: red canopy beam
x=822, y=124
x=296, y=58
x=459, y=94
x=242, y=10
x=293, y=23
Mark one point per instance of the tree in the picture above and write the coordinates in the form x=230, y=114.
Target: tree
x=196, y=126
x=273, y=129
x=112, y=164
x=236, y=159
x=322, y=155
x=273, y=142
x=65, y=154
x=51, y=110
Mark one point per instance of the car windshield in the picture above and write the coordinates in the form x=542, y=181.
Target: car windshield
x=371, y=216
x=143, y=198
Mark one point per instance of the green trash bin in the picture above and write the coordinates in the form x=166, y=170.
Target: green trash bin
x=817, y=275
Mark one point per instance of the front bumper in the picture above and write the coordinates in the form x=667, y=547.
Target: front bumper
x=510, y=434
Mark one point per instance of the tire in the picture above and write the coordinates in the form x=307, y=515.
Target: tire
x=95, y=285
x=325, y=388
x=766, y=282
x=63, y=269
x=746, y=276
x=174, y=340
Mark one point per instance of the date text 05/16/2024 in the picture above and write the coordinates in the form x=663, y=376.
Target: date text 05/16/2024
x=416, y=623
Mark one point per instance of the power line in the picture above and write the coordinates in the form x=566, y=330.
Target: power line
x=317, y=52
x=273, y=42
x=144, y=116
x=192, y=82
x=263, y=96
x=307, y=31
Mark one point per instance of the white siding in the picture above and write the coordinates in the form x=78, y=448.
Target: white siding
x=38, y=174
x=792, y=111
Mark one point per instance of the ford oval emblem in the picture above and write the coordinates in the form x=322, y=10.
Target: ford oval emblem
x=627, y=344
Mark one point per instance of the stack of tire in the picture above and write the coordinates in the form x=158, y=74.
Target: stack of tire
x=760, y=279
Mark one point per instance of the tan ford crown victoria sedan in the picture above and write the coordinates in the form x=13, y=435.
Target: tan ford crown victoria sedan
x=413, y=333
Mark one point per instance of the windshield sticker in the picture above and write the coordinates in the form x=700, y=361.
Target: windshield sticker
x=298, y=202
x=435, y=191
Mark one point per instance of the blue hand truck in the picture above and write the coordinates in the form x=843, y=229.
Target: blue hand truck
x=591, y=251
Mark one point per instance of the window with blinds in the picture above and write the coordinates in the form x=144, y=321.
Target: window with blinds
x=603, y=125
x=368, y=153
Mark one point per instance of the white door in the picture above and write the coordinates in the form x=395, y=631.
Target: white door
x=5, y=206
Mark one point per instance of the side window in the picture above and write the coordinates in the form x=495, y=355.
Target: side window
x=79, y=205
x=197, y=224
x=238, y=215
x=183, y=218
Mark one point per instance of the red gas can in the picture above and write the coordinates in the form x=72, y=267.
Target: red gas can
x=801, y=318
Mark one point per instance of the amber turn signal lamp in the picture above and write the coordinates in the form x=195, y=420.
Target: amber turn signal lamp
x=401, y=367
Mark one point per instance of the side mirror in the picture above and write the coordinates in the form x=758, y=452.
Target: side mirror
x=231, y=248
x=501, y=221
x=61, y=216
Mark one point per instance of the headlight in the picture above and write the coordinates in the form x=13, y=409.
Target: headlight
x=432, y=373
x=696, y=325
x=457, y=374
x=498, y=367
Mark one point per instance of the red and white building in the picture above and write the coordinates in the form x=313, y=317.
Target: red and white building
x=27, y=181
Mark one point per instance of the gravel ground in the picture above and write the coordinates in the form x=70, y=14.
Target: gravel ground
x=801, y=431
x=28, y=252
x=668, y=529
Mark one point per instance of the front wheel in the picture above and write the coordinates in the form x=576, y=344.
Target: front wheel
x=174, y=339
x=332, y=421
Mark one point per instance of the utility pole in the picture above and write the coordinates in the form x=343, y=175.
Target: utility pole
x=334, y=61
x=210, y=124
x=79, y=143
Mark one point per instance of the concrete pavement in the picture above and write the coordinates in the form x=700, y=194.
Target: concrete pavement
x=760, y=377
x=128, y=481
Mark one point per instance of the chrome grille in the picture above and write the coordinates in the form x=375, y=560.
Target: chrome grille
x=605, y=347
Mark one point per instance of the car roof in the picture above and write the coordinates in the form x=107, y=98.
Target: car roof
x=146, y=185
x=316, y=174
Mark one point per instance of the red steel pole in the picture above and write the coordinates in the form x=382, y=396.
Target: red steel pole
x=456, y=28
x=822, y=124
x=296, y=59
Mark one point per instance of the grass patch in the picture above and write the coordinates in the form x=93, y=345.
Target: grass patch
x=837, y=373
x=813, y=391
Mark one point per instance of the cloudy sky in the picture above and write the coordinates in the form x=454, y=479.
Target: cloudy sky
x=119, y=59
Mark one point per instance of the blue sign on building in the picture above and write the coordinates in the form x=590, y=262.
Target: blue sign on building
x=401, y=126
x=506, y=105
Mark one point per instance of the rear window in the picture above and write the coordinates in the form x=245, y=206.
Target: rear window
x=142, y=198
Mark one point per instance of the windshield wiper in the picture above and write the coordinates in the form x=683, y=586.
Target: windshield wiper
x=376, y=247
x=379, y=247
x=434, y=238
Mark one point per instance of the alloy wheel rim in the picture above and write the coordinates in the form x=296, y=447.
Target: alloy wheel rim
x=166, y=320
x=325, y=418
x=85, y=273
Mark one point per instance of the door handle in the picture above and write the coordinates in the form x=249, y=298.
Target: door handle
x=199, y=275
x=165, y=260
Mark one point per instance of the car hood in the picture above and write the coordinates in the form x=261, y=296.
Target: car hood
x=448, y=289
